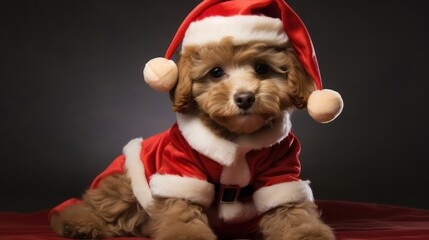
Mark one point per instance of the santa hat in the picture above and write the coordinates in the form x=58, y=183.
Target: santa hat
x=246, y=21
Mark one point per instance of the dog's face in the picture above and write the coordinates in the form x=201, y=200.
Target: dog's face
x=240, y=88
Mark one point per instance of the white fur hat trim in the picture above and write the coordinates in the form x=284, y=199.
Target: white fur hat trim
x=242, y=28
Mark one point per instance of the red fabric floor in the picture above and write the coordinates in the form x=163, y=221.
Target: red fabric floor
x=351, y=220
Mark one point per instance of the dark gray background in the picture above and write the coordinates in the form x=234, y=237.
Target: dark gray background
x=72, y=95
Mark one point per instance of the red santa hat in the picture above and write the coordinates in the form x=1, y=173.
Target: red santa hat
x=246, y=21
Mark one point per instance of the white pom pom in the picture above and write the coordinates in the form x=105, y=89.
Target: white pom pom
x=161, y=74
x=324, y=105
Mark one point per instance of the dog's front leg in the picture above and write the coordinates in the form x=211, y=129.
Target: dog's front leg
x=173, y=218
x=298, y=221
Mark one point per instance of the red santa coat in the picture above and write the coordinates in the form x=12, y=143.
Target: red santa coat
x=188, y=161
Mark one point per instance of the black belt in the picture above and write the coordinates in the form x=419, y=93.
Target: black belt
x=230, y=193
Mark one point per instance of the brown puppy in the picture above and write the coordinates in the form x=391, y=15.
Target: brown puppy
x=237, y=92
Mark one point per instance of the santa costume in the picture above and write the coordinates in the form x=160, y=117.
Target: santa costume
x=235, y=181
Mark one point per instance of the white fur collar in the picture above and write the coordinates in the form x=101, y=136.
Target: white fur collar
x=223, y=151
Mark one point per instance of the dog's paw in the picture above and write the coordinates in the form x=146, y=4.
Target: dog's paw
x=310, y=231
x=187, y=236
x=81, y=232
x=187, y=231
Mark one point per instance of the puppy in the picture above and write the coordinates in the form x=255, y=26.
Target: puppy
x=226, y=95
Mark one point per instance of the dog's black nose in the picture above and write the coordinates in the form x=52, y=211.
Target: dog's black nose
x=244, y=100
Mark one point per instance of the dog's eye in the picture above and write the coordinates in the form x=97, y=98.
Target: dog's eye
x=261, y=68
x=217, y=72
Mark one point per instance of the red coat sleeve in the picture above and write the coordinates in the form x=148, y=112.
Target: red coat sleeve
x=181, y=173
x=180, y=159
x=279, y=182
x=281, y=164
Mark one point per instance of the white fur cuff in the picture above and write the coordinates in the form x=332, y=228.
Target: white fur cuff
x=275, y=195
x=136, y=172
x=192, y=189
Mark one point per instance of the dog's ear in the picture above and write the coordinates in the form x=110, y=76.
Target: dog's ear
x=181, y=95
x=300, y=84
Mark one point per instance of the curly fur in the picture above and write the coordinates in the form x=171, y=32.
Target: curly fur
x=112, y=210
